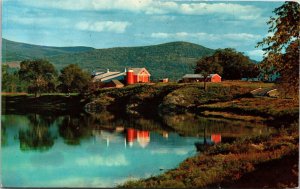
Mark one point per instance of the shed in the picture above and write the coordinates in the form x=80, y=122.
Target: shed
x=200, y=78
x=114, y=83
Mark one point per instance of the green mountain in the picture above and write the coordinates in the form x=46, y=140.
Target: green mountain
x=15, y=51
x=169, y=60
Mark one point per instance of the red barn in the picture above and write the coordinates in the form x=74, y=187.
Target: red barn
x=137, y=75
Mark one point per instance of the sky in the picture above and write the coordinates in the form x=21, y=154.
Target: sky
x=127, y=23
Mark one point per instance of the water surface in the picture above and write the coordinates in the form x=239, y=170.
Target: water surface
x=101, y=150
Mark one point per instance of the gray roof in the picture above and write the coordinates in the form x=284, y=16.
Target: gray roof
x=108, y=75
x=195, y=76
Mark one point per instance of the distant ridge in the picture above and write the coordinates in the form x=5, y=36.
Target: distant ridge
x=16, y=51
x=169, y=60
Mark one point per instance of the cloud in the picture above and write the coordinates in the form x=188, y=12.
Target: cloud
x=131, y=5
x=256, y=54
x=207, y=36
x=244, y=12
x=177, y=151
x=108, y=26
x=42, y=21
x=97, y=160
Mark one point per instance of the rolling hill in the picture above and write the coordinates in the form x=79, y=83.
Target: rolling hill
x=15, y=51
x=171, y=60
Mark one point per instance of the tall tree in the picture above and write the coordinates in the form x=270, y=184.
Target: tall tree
x=206, y=66
x=73, y=79
x=40, y=73
x=235, y=65
x=282, y=45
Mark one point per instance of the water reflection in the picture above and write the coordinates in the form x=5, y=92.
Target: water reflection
x=37, y=136
x=103, y=150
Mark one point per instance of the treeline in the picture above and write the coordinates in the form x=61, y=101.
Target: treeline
x=40, y=76
x=228, y=63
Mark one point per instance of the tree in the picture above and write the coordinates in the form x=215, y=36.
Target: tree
x=228, y=63
x=282, y=46
x=11, y=81
x=40, y=73
x=206, y=66
x=73, y=79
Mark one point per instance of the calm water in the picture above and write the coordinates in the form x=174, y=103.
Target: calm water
x=102, y=150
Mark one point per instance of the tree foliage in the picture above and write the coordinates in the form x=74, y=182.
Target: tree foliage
x=73, y=79
x=282, y=46
x=11, y=81
x=228, y=63
x=40, y=73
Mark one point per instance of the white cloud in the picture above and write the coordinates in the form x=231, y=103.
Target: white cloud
x=131, y=5
x=109, y=26
x=255, y=53
x=209, y=37
x=44, y=21
x=244, y=12
x=97, y=160
x=177, y=151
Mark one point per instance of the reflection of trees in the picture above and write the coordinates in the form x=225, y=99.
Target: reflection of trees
x=38, y=136
x=74, y=129
x=3, y=135
x=188, y=124
x=192, y=125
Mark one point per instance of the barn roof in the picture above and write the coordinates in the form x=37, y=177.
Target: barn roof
x=117, y=82
x=200, y=76
x=137, y=71
x=108, y=75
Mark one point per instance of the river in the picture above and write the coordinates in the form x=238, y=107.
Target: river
x=104, y=150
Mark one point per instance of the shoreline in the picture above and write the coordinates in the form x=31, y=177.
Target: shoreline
x=220, y=101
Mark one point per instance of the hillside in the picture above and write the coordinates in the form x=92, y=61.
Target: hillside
x=171, y=60
x=15, y=51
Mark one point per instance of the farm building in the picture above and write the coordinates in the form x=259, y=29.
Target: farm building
x=137, y=75
x=114, y=83
x=199, y=78
x=107, y=76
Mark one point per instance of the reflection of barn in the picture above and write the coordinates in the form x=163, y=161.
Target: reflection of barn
x=142, y=137
x=215, y=138
x=199, y=78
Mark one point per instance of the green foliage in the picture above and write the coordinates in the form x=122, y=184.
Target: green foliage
x=11, y=81
x=41, y=74
x=170, y=60
x=228, y=63
x=180, y=57
x=282, y=47
x=14, y=51
x=73, y=79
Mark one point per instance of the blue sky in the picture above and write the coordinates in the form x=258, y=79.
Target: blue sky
x=115, y=23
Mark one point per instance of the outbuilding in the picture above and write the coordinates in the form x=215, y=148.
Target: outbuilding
x=200, y=78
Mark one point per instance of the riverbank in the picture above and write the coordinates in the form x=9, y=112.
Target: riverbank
x=44, y=104
x=224, y=164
